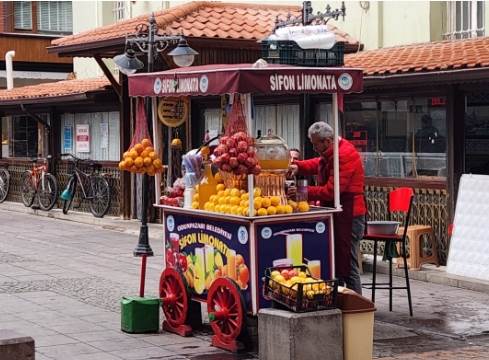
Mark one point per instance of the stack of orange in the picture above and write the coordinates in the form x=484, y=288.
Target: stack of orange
x=141, y=158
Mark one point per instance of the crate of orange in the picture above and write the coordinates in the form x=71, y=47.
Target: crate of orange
x=141, y=156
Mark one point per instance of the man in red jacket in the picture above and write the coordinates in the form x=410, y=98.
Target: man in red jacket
x=350, y=223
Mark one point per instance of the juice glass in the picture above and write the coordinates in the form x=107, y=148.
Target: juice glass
x=207, y=186
x=175, y=242
x=231, y=266
x=294, y=248
x=314, y=268
x=199, y=271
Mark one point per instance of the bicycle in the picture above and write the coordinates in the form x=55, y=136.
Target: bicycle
x=4, y=183
x=94, y=187
x=39, y=182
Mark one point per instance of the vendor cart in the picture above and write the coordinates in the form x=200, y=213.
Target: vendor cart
x=228, y=254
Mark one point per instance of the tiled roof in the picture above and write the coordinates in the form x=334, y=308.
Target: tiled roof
x=54, y=89
x=424, y=57
x=202, y=19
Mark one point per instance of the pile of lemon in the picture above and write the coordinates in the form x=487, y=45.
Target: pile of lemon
x=311, y=288
x=236, y=202
x=141, y=158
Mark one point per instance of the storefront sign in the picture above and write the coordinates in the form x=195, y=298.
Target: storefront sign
x=67, y=139
x=82, y=138
x=245, y=78
x=300, y=242
x=204, y=249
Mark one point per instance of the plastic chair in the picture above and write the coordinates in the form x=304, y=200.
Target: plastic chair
x=400, y=201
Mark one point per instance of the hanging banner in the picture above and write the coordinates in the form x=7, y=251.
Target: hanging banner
x=67, y=139
x=83, y=138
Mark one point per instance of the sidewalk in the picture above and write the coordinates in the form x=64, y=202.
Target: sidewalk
x=61, y=282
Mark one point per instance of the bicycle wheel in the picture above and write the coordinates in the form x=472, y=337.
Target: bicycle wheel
x=28, y=190
x=71, y=188
x=4, y=184
x=48, y=192
x=100, y=202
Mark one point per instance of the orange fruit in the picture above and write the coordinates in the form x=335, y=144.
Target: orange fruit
x=243, y=275
x=122, y=165
x=134, y=154
x=152, y=155
x=144, y=153
x=133, y=168
x=146, y=142
x=150, y=149
x=157, y=164
x=147, y=161
x=139, y=148
x=138, y=162
x=129, y=162
x=126, y=154
x=239, y=259
x=150, y=169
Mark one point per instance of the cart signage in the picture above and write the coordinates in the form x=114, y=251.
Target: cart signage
x=204, y=249
x=297, y=242
x=244, y=78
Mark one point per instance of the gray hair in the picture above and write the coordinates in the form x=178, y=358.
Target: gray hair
x=321, y=130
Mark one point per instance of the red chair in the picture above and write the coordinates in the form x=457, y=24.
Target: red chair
x=400, y=201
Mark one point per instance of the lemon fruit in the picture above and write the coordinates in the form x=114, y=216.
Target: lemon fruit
x=262, y=212
x=303, y=206
x=275, y=200
x=257, y=203
x=256, y=192
x=220, y=187
x=288, y=209
x=271, y=210
x=266, y=202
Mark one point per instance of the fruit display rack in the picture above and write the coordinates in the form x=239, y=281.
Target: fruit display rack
x=303, y=295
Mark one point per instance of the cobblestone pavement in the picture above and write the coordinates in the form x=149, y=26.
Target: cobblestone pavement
x=61, y=283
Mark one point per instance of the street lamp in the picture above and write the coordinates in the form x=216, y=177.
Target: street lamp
x=146, y=40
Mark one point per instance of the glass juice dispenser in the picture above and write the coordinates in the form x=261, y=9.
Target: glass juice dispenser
x=273, y=156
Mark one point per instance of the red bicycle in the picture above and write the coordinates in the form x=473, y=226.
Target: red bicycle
x=39, y=182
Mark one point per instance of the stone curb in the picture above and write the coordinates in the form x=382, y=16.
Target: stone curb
x=431, y=274
x=107, y=222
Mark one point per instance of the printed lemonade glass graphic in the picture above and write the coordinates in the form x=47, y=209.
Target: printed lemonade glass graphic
x=175, y=242
x=294, y=248
x=231, y=266
x=314, y=267
x=209, y=258
x=199, y=271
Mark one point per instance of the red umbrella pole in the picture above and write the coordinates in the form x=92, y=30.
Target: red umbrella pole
x=143, y=276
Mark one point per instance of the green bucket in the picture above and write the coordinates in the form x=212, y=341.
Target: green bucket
x=140, y=314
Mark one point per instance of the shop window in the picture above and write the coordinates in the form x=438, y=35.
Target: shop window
x=465, y=19
x=93, y=136
x=22, y=15
x=401, y=137
x=55, y=17
x=19, y=136
x=477, y=134
x=281, y=120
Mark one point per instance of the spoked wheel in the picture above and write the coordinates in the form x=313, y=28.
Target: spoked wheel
x=28, y=190
x=100, y=203
x=48, y=192
x=4, y=184
x=175, y=302
x=226, y=313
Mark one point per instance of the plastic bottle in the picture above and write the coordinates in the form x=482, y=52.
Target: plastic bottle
x=207, y=186
x=189, y=192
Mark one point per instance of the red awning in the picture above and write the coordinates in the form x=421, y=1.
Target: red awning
x=244, y=78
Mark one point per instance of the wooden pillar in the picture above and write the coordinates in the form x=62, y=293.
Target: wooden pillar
x=125, y=141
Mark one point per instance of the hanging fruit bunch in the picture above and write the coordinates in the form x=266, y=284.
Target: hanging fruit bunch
x=141, y=158
x=237, y=154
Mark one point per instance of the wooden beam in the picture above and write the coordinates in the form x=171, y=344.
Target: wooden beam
x=125, y=141
x=115, y=85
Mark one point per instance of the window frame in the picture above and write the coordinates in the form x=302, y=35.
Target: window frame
x=463, y=19
x=14, y=24
x=39, y=18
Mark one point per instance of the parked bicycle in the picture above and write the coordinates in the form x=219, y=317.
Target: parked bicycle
x=4, y=183
x=38, y=182
x=93, y=186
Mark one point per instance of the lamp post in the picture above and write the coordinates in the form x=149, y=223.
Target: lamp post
x=146, y=40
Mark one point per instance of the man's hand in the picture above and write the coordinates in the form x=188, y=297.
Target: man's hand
x=293, y=169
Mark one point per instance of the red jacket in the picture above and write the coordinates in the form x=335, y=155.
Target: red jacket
x=351, y=176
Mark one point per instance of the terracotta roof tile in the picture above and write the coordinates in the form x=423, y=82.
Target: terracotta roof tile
x=248, y=21
x=425, y=57
x=54, y=89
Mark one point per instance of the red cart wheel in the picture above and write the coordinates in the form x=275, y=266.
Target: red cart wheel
x=226, y=313
x=175, y=302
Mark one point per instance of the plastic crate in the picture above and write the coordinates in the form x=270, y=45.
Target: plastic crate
x=140, y=315
x=288, y=52
x=301, y=297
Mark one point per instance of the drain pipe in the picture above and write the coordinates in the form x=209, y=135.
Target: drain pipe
x=8, y=67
